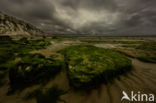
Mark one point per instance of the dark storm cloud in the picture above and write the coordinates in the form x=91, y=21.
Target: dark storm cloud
x=38, y=12
x=86, y=16
x=90, y=4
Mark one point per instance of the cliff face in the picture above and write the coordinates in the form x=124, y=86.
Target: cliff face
x=14, y=27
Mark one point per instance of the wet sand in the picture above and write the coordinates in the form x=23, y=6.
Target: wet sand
x=142, y=78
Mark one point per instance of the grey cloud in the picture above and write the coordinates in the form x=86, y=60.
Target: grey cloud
x=90, y=4
x=86, y=16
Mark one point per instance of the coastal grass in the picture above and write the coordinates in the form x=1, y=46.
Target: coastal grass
x=88, y=65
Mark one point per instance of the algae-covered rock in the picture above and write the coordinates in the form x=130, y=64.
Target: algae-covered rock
x=90, y=65
x=33, y=69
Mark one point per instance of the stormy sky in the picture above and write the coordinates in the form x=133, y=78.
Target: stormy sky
x=87, y=17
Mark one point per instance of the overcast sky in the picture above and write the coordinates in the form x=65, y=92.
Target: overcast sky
x=93, y=17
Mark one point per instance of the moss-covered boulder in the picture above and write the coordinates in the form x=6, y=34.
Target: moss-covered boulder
x=33, y=69
x=47, y=95
x=87, y=65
